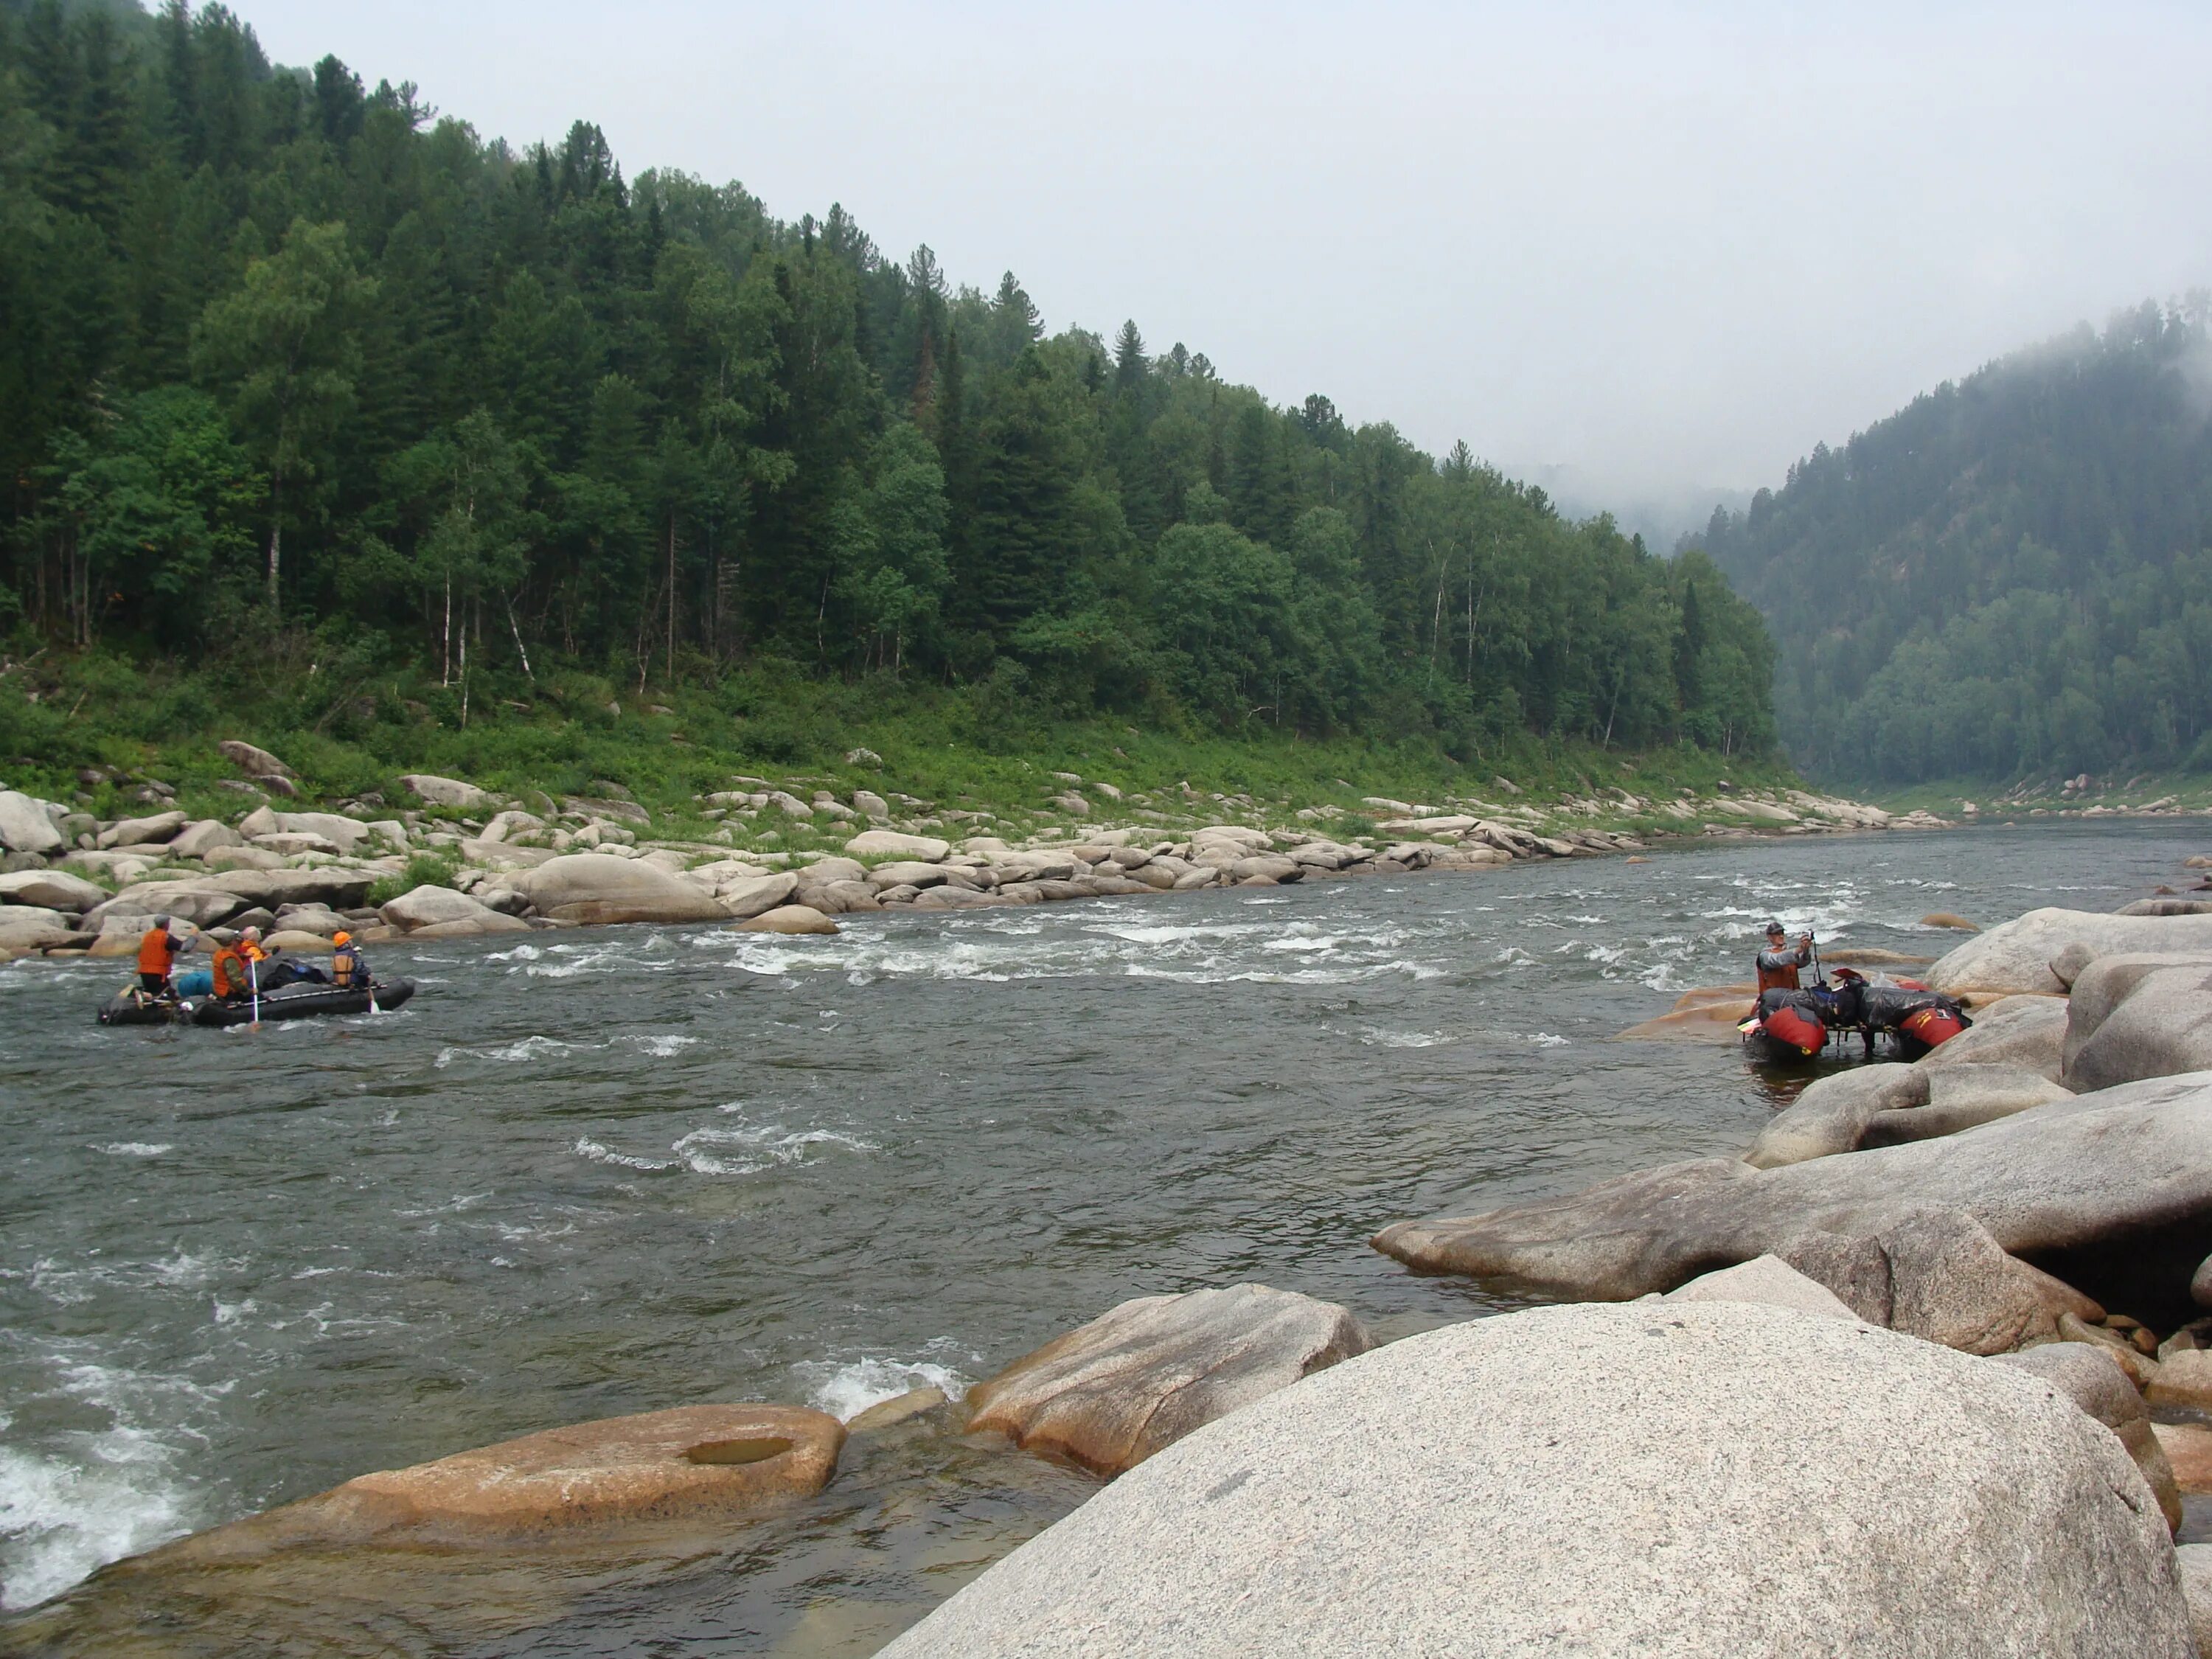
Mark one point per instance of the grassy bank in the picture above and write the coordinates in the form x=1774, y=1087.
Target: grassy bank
x=969, y=758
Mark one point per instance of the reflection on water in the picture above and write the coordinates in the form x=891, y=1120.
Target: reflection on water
x=598, y=1173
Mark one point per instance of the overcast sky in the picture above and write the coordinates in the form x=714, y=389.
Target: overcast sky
x=1661, y=245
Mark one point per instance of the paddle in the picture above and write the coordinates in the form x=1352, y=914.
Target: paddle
x=253, y=979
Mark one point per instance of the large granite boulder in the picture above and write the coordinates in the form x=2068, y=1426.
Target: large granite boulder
x=52, y=889
x=156, y=830
x=24, y=824
x=599, y=888
x=1767, y=1280
x=753, y=895
x=694, y=1463
x=2111, y=1191
x=2092, y=1379
x=432, y=912
x=201, y=836
x=1684, y=1479
x=890, y=843
x=1962, y=1097
x=2016, y=956
x=254, y=762
x=204, y=901
x=1111, y=1394
x=2025, y=1031
x=30, y=928
x=1833, y=1114
x=335, y=884
x=2138, y=1015
x=444, y=792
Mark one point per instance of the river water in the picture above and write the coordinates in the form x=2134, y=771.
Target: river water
x=596, y=1173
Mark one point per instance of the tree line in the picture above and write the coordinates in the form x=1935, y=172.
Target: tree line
x=2009, y=579
x=285, y=353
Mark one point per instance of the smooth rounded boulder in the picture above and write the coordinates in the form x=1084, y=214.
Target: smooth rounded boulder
x=2134, y=1016
x=1678, y=1478
x=892, y=843
x=52, y=889
x=2021, y=1030
x=1111, y=1394
x=2116, y=1186
x=690, y=1464
x=444, y=792
x=25, y=826
x=2016, y=957
x=598, y=889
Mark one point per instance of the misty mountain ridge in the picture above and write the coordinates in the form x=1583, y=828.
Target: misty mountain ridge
x=2008, y=579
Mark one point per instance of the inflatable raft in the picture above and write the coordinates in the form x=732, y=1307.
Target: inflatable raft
x=1792, y=1026
x=301, y=1001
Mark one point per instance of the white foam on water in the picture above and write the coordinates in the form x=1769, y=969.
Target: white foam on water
x=586, y=1147
x=660, y=1047
x=77, y=1500
x=744, y=1152
x=135, y=1148
x=1546, y=1040
x=848, y=1389
x=61, y=1519
x=528, y=1048
x=1375, y=1037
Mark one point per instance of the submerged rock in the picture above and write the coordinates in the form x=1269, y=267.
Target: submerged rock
x=1679, y=1478
x=1111, y=1394
x=693, y=1463
x=2116, y=1186
x=789, y=919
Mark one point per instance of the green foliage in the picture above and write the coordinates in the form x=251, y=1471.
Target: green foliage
x=423, y=870
x=344, y=399
x=2009, y=579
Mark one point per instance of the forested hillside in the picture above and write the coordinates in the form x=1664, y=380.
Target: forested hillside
x=302, y=376
x=2011, y=579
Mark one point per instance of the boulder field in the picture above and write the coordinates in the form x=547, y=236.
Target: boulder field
x=519, y=858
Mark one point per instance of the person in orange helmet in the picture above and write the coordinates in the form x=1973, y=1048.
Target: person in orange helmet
x=348, y=968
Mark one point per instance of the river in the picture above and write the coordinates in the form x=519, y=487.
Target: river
x=594, y=1173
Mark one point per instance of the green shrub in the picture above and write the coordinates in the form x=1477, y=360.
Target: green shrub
x=423, y=870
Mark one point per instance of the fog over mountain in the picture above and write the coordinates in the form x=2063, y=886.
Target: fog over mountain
x=1667, y=249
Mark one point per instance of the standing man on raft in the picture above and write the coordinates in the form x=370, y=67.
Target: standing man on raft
x=1779, y=965
x=157, y=959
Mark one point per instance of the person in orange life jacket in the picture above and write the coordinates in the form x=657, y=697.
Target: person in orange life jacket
x=233, y=970
x=157, y=958
x=348, y=968
x=1778, y=963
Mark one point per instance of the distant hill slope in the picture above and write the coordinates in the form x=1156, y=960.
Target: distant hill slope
x=2008, y=579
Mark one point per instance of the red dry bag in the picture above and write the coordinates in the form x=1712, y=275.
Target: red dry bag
x=1798, y=1028
x=1932, y=1026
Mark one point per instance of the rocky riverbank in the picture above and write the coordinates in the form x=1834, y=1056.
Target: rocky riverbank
x=72, y=885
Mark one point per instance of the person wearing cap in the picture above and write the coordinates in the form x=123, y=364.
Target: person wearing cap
x=1779, y=963
x=349, y=969
x=157, y=958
